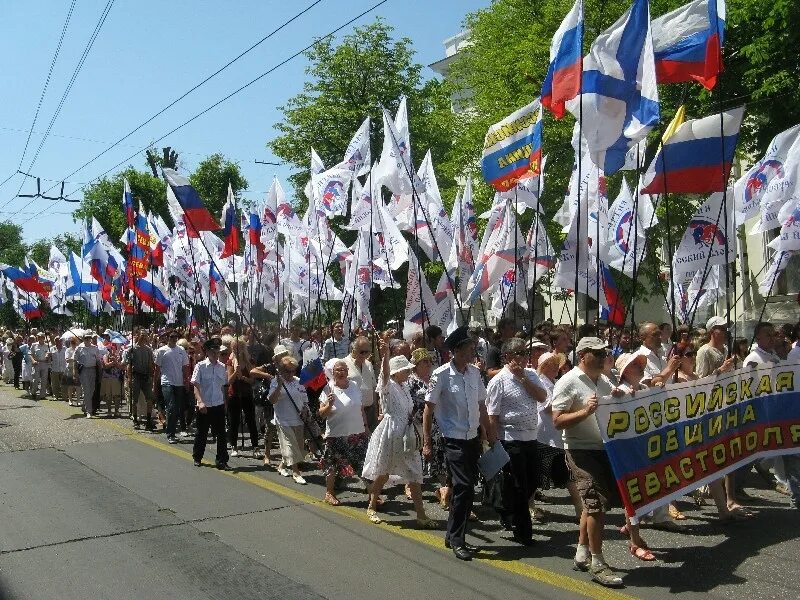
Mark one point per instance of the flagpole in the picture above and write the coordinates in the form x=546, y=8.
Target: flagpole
x=465, y=232
x=578, y=216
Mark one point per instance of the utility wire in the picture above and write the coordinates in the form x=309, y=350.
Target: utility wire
x=240, y=89
x=64, y=28
x=193, y=88
x=86, y=50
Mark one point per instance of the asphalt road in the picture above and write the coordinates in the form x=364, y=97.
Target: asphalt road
x=91, y=509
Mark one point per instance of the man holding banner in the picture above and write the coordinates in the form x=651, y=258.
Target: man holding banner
x=575, y=400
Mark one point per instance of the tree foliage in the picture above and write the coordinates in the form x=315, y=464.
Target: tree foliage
x=351, y=81
x=103, y=200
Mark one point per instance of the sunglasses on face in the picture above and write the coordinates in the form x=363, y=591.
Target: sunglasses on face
x=688, y=354
x=601, y=353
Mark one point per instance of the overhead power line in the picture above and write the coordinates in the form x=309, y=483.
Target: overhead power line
x=224, y=99
x=53, y=61
x=154, y=116
x=86, y=50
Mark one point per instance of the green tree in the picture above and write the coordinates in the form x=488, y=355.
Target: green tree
x=211, y=179
x=12, y=248
x=103, y=200
x=353, y=80
x=66, y=242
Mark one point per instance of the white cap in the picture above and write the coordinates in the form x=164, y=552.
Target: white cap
x=717, y=322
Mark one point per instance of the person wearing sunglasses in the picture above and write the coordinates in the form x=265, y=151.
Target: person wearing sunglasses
x=512, y=397
x=688, y=359
x=361, y=372
x=575, y=400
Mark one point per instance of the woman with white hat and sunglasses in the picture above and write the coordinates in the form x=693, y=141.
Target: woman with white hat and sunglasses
x=387, y=454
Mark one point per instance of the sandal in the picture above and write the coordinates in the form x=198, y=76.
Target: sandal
x=443, y=503
x=641, y=553
x=375, y=517
x=331, y=499
x=426, y=523
x=675, y=513
x=623, y=531
x=408, y=492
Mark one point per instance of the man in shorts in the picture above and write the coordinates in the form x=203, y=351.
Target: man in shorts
x=575, y=398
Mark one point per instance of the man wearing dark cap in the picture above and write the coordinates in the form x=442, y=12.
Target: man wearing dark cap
x=209, y=380
x=456, y=396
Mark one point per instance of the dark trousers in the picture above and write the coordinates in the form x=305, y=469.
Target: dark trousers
x=462, y=458
x=214, y=417
x=173, y=400
x=519, y=484
x=237, y=405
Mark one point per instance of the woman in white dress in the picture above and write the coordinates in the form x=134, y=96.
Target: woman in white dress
x=385, y=453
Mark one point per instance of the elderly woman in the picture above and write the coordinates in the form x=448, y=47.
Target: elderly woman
x=552, y=471
x=290, y=402
x=386, y=454
x=345, y=428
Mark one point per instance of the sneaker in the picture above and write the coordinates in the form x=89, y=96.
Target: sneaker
x=172, y=439
x=298, y=479
x=284, y=471
x=603, y=575
x=257, y=454
x=234, y=453
x=89, y=416
x=184, y=434
x=197, y=463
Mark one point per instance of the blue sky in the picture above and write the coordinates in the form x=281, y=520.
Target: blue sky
x=147, y=54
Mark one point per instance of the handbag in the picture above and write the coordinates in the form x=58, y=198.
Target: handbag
x=411, y=440
x=309, y=422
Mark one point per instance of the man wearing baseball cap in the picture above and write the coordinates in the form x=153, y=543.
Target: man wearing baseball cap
x=575, y=399
x=711, y=355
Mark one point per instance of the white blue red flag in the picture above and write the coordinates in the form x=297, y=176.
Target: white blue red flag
x=687, y=43
x=697, y=158
x=563, y=80
x=127, y=203
x=196, y=216
x=512, y=149
x=618, y=104
x=230, y=223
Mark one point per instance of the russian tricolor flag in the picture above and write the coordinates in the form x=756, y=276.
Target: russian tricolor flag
x=697, y=158
x=614, y=311
x=30, y=310
x=312, y=376
x=127, y=203
x=195, y=212
x=150, y=294
x=26, y=279
x=230, y=220
x=687, y=43
x=512, y=149
x=563, y=79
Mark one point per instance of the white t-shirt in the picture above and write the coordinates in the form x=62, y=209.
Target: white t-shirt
x=346, y=416
x=546, y=432
x=516, y=409
x=286, y=414
x=794, y=355
x=761, y=357
x=363, y=377
x=171, y=362
x=571, y=393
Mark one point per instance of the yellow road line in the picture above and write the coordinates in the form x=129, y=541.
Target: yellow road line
x=564, y=582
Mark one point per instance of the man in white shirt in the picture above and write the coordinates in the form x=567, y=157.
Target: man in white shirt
x=87, y=361
x=58, y=367
x=295, y=343
x=209, y=379
x=171, y=364
x=575, y=399
x=511, y=405
x=40, y=354
x=658, y=369
x=457, y=396
x=764, y=352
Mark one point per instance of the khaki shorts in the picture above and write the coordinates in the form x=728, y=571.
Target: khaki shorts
x=594, y=479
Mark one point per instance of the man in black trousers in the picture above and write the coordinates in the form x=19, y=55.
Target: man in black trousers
x=209, y=380
x=456, y=397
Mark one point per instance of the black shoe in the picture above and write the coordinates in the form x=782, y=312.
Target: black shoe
x=524, y=541
x=462, y=553
x=223, y=467
x=149, y=426
x=197, y=463
x=469, y=547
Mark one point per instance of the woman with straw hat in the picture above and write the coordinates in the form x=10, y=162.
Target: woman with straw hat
x=387, y=454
